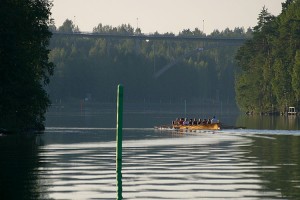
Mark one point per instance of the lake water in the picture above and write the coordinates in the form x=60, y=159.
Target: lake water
x=75, y=159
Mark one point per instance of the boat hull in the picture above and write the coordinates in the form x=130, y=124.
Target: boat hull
x=215, y=126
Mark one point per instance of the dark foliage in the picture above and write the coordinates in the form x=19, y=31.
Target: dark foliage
x=93, y=67
x=24, y=65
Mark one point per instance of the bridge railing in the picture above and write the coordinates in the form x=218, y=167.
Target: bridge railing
x=151, y=36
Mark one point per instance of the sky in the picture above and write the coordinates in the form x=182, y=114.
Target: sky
x=163, y=15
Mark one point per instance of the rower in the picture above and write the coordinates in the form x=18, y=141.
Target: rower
x=186, y=122
x=209, y=121
x=200, y=121
x=214, y=120
x=195, y=121
x=181, y=121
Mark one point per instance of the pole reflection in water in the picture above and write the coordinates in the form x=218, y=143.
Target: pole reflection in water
x=72, y=163
x=169, y=166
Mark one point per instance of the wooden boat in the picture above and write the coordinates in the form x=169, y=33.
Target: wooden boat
x=214, y=126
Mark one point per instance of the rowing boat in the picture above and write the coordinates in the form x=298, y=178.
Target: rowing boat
x=214, y=126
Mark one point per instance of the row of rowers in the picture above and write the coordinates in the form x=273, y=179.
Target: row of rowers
x=185, y=121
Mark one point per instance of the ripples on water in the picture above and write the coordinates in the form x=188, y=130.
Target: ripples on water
x=156, y=165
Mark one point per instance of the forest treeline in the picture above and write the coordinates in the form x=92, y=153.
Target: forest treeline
x=91, y=68
x=269, y=76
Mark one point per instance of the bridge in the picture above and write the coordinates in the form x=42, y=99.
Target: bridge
x=226, y=41
x=239, y=40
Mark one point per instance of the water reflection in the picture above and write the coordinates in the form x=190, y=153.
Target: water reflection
x=137, y=115
x=19, y=168
x=191, y=166
x=135, y=119
x=69, y=163
x=269, y=122
x=282, y=152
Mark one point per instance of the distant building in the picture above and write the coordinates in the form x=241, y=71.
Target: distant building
x=292, y=111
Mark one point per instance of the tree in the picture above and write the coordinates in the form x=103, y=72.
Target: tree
x=286, y=4
x=273, y=51
x=24, y=65
x=68, y=27
x=264, y=18
x=280, y=84
x=296, y=76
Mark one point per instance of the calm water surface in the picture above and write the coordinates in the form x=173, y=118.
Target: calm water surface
x=75, y=159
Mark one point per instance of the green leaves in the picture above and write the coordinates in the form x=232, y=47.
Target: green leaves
x=272, y=52
x=296, y=76
x=96, y=65
x=24, y=64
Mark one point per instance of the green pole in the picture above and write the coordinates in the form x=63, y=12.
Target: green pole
x=119, y=141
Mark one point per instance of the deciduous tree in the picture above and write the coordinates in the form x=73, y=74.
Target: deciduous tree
x=24, y=65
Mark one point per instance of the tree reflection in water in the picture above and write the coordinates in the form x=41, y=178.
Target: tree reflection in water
x=19, y=162
x=237, y=163
x=281, y=152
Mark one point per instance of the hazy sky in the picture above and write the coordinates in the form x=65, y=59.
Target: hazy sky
x=163, y=15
